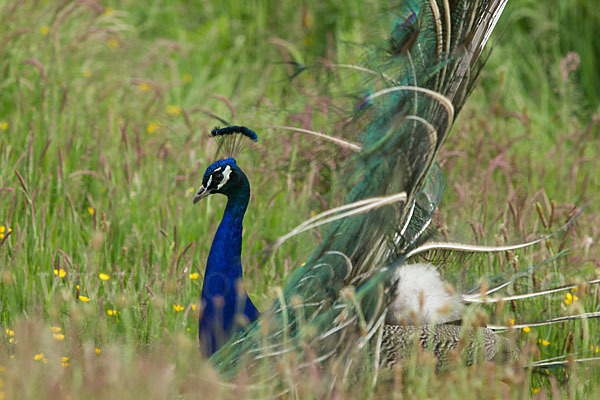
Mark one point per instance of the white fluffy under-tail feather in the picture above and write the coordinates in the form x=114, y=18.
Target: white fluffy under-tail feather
x=423, y=298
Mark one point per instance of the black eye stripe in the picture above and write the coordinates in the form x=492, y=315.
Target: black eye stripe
x=218, y=178
x=215, y=178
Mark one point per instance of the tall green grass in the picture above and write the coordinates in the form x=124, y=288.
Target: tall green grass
x=103, y=136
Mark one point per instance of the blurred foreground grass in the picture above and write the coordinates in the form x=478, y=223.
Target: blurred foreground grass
x=104, y=114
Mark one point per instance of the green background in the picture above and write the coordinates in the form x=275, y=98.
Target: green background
x=104, y=114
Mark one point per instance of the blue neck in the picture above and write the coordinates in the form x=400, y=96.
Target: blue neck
x=225, y=302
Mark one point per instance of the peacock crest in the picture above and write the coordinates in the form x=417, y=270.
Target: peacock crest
x=230, y=139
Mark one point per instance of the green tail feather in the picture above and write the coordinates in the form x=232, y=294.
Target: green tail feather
x=427, y=46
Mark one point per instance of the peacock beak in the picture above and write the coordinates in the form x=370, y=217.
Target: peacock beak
x=200, y=194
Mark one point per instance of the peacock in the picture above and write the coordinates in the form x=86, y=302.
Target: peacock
x=226, y=306
x=351, y=300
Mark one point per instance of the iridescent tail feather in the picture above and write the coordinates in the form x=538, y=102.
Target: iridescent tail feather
x=417, y=79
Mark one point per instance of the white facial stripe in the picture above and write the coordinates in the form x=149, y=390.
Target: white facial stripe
x=217, y=169
x=209, y=181
x=226, y=173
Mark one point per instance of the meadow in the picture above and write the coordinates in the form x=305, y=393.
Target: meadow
x=105, y=109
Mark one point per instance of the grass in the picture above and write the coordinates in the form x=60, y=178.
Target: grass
x=103, y=135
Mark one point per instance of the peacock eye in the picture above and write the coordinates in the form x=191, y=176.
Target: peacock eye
x=218, y=176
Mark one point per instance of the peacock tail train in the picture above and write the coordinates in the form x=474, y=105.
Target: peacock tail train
x=421, y=68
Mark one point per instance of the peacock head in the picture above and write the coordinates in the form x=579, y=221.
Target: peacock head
x=223, y=176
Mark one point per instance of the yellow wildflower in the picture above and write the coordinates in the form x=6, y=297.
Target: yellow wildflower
x=191, y=189
x=543, y=342
x=11, y=340
x=173, y=110
x=511, y=321
x=187, y=78
x=144, y=87
x=570, y=298
x=177, y=307
x=64, y=361
x=38, y=357
x=55, y=329
x=2, y=229
x=85, y=299
x=113, y=43
x=10, y=332
x=104, y=277
x=58, y=336
x=193, y=307
x=4, y=125
x=44, y=30
x=91, y=210
x=194, y=275
x=60, y=272
x=308, y=20
x=109, y=10
x=98, y=351
x=536, y=390
x=86, y=73
x=526, y=329
x=152, y=127
x=112, y=313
